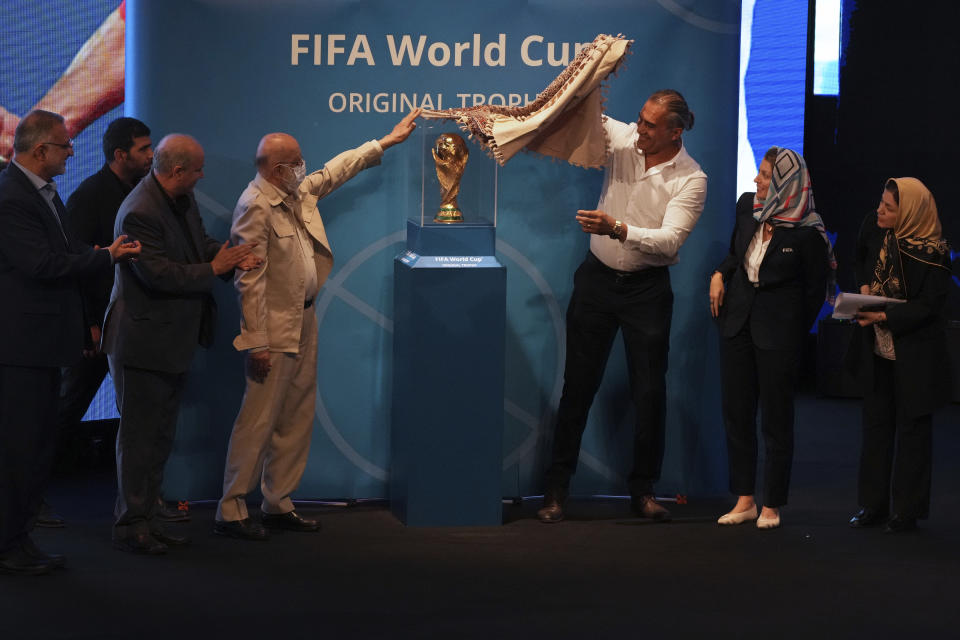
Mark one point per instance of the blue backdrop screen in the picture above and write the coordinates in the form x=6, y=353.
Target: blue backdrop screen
x=337, y=73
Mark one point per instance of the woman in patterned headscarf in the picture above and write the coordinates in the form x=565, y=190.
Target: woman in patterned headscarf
x=900, y=355
x=766, y=295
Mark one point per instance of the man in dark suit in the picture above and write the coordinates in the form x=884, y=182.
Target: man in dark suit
x=161, y=308
x=91, y=212
x=39, y=273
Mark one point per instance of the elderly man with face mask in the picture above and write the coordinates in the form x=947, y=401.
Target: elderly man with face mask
x=278, y=331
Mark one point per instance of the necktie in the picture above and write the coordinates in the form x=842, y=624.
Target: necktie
x=56, y=206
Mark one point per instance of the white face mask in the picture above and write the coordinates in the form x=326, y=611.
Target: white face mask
x=299, y=171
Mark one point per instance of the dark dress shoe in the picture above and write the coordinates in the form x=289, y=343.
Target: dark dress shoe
x=169, y=539
x=867, y=518
x=168, y=514
x=552, y=512
x=553, y=501
x=899, y=524
x=646, y=506
x=245, y=529
x=142, y=543
x=289, y=521
x=55, y=560
x=18, y=562
x=48, y=518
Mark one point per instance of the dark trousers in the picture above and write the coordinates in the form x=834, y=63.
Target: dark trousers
x=768, y=378
x=605, y=301
x=896, y=451
x=78, y=387
x=149, y=404
x=28, y=437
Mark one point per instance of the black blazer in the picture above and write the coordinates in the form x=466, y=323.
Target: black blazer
x=161, y=308
x=91, y=213
x=922, y=365
x=40, y=273
x=792, y=287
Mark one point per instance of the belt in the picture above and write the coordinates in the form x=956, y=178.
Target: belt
x=308, y=303
x=624, y=275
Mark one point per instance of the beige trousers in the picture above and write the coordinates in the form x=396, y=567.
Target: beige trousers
x=271, y=436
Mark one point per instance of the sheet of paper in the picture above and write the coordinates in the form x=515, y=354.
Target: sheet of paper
x=848, y=304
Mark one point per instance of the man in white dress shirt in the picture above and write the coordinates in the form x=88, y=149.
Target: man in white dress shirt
x=653, y=194
x=278, y=331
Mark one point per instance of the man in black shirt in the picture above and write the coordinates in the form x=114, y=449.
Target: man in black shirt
x=161, y=309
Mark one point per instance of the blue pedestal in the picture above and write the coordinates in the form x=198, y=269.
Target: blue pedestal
x=449, y=329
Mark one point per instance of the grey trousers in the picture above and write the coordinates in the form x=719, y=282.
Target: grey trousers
x=271, y=435
x=149, y=404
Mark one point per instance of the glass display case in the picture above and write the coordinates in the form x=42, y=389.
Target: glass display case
x=458, y=180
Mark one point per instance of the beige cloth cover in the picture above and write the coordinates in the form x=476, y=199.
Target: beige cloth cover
x=566, y=119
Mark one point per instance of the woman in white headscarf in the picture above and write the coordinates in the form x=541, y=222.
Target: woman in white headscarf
x=900, y=355
x=766, y=294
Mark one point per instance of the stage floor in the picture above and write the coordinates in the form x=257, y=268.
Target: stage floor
x=599, y=574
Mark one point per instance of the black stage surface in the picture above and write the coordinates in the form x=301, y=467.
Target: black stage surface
x=600, y=574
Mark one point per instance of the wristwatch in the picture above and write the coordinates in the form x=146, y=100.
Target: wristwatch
x=617, y=227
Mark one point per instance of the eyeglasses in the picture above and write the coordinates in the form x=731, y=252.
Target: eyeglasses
x=67, y=145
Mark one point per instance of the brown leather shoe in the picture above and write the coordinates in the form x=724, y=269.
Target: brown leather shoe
x=646, y=506
x=552, y=510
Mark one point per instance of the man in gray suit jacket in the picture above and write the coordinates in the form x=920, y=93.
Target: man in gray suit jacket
x=160, y=309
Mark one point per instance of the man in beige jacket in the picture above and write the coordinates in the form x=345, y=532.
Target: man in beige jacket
x=278, y=332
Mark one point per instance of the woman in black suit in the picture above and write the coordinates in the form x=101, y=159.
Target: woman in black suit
x=766, y=294
x=900, y=354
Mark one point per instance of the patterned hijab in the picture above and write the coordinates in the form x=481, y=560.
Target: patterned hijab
x=789, y=203
x=916, y=235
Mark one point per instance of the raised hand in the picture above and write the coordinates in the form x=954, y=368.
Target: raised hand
x=401, y=131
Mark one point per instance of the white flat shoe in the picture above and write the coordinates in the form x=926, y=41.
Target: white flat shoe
x=768, y=523
x=738, y=518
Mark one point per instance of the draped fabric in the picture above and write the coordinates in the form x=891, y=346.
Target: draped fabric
x=789, y=203
x=566, y=119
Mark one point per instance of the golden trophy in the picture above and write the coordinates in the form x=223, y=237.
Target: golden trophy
x=450, y=156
